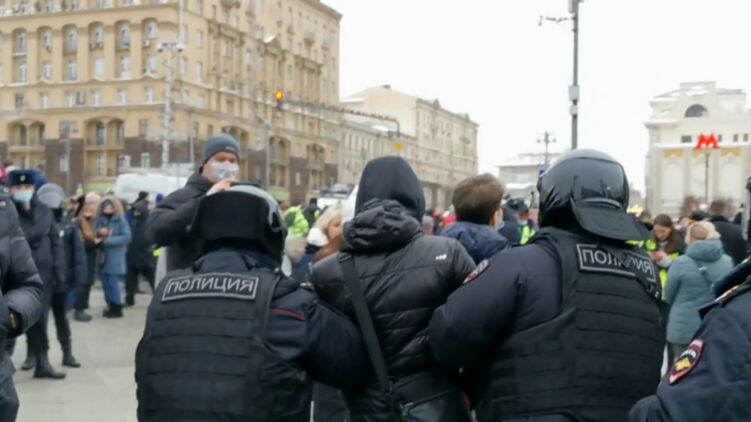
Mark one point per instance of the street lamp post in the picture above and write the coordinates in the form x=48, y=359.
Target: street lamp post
x=547, y=140
x=574, y=90
x=172, y=47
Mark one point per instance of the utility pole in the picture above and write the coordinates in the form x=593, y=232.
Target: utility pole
x=172, y=48
x=547, y=140
x=574, y=91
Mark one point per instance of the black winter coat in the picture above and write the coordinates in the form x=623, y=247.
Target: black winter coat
x=45, y=240
x=169, y=223
x=75, y=257
x=732, y=239
x=405, y=277
x=140, y=251
x=19, y=280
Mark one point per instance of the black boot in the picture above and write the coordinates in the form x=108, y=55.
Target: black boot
x=45, y=370
x=68, y=359
x=114, y=311
x=29, y=363
x=81, y=316
x=130, y=300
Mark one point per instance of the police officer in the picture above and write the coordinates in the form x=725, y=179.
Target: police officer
x=711, y=379
x=20, y=304
x=232, y=338
x=569, y=327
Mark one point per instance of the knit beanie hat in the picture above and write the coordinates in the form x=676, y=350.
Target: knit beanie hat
x=219, y=143
x=702, y=230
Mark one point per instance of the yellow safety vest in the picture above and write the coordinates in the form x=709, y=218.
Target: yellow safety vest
x=652, y=246
x=527, y=234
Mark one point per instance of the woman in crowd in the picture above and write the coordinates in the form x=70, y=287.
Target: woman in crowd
x=666, y=246
x=113, y=234
x=85, y=221
x=689, y=284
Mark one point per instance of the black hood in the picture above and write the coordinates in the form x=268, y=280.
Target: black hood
x=380, y=226
x=391, y=178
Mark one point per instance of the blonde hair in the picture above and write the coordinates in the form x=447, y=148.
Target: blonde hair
x=701, y=230
x=324, y=221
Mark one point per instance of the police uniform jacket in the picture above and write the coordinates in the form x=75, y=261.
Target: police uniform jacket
x=43, y=236
x=711, y=380
x=300, y=330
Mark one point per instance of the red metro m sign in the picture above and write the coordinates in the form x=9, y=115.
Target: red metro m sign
x=707, y=142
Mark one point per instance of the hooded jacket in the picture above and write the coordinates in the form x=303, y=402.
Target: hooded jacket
x=43, y=236
x=731, y=236
x=140, y=254
x=480, y=241
x=689, y=287
x=115, y=245
x=169, y=222
x=405, y=275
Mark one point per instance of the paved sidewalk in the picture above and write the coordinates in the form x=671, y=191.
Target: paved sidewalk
x=103, y=389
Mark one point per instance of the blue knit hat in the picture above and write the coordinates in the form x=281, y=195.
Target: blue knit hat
x=222, y=142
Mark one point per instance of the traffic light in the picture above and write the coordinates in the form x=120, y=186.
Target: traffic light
x=279, y=97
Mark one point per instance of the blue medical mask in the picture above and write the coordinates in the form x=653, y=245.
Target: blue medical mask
x=23, y=196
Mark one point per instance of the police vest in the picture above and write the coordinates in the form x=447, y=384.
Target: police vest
x=203, y=356
x=600, y=355
x=527, y=234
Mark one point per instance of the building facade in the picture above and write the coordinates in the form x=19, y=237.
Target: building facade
x=440, y=145
x=92, y=77
x=520, y=175
x=675, y=168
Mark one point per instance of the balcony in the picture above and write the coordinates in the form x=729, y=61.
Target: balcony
x=96, y=45
x=310, y=35
x=123, y=45
x=20, y=50
x=71, y=48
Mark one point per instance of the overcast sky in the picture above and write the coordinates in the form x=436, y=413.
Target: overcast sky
x=489, y=58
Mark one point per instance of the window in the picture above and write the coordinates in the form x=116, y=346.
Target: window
x=225, y=48
x=199, y=6
x=72, y=40
x=20, y=101
x=209, y=130
x=127, y=2
x=125, y=67
x=696, y=110
x=143, y=127
x=199, y=72
x=152, y=30
x=21, y=43
x=194, y=129
x=1, y=74
x=122, y=96
x=72, y=71
x=101, y=4
x=99, y=135
x=44, y=100
x=213, y=11
x=149, y=95
x=719, y=138
x=184, y=33
x=99, y=68
x=47, y=39
x=183, y=65
x=151, y=64
x=736, y=137
x=145, y=159
x=745, y=137
x=199, y=39
x=96, y=97
x=1, y=40
x=100, y=164
x=22, y=73
x=686, y=139
x=201, y=101
x=125, y=35
x=70, y=99
x=99, y=34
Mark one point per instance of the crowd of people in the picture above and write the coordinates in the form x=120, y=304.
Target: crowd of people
x=486, y=312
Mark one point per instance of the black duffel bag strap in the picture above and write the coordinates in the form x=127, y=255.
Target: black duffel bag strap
x=364, y=320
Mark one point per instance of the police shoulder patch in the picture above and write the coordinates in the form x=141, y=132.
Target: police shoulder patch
x=592, y=258
x=210, y=285
x=481, y=267
x=686, y=361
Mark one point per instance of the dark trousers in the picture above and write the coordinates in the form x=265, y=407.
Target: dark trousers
x=8, y=396
x=82, y=296
x=62, y=325
x=329, y=404
x=131, y=279
x=37, y=333
x=83, y=290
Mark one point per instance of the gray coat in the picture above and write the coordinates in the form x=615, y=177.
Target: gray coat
x=689, y=287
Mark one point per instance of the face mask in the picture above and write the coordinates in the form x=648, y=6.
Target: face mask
x=23, y=196
x=224, y=170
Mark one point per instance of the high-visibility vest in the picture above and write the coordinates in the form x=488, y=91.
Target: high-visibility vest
x=652, y=246
x=527, y=233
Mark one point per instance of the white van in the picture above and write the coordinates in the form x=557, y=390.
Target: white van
x=128, y=185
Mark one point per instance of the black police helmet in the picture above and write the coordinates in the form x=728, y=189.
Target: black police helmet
x=244, y=215
x=589, y=188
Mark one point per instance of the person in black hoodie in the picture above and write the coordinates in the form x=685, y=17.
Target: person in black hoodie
x=53, y=197
x=140, y=252
x=168, y=223
x=730, y=234
x=42, y=234
x=405, y=276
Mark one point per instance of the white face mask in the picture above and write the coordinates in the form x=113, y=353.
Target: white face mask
x=222, y=170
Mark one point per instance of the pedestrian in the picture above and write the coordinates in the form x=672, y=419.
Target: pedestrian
x=731, y=235
x=53, y=197
x=404, y=275
x=43, y=236
x=21, y=289
x=231, y=338
x=568, y=327
x=477, y=201
x=326, y=228
x=666, y=245
x=690, y=278
x=85, y=221
x=168, y=224
x=113, y=234
x=140, y=256
x=312, y=212
x=295, y=220
x=711, y=379
x=509, y=227
x=428, y=225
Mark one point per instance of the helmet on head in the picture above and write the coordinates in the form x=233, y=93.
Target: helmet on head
x=245, y=214
x=589, y=188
